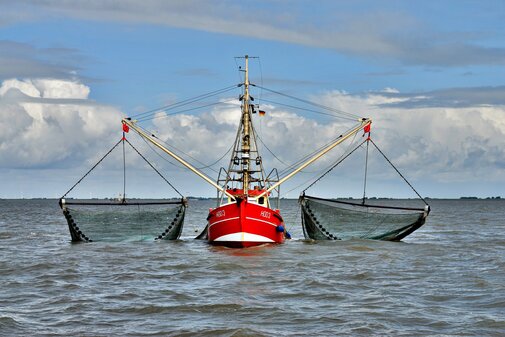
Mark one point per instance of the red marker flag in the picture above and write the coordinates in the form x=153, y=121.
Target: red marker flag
x=126, y=128
x=367, y=128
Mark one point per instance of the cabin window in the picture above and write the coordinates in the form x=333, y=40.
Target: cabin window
x=261, y=200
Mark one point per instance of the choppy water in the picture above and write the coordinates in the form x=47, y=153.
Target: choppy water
x=447, y=279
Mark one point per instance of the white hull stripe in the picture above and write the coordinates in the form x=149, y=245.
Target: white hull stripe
x=244, y=237
x=256, y=219
x=228, y=219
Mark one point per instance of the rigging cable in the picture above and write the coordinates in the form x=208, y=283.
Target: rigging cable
x=94, y=166
x=273, y=154
x=397, y=171
x=306, y=157
x=173, y=148
x=345, y=113
x=342, y=158
x=154, y=168
x=366, y=170
x=124, y=169
x=261, y=81
x=187, y=101
x=143, y=119
x=387, y=159
x=217, y=161
x=333, y=166
x=309, y=110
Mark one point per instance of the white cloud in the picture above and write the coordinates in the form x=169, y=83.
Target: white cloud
x=437, y=144
x=52, y=124
x=47, y=122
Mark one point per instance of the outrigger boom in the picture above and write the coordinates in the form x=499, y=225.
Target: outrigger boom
x=363, y=123
x=143, y=134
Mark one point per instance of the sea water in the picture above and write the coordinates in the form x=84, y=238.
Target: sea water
x=446, y=279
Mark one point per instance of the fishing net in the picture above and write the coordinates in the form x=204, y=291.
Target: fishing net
x=327, y=219
x=124, y=220
x=331, y=219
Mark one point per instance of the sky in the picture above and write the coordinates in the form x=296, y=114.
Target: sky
x=430, y=74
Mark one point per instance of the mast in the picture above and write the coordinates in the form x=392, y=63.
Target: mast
x=246, y=131
x=245, y=152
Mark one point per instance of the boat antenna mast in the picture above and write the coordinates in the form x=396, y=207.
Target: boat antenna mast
x=246, y=131
x=245, y=154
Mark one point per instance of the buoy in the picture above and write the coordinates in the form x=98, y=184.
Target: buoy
x=280, y=228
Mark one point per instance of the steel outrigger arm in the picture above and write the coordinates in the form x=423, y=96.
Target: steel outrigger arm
x=132, y=124
x=363, y=123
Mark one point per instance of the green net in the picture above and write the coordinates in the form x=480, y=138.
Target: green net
x=326, y=219
x=111, y=220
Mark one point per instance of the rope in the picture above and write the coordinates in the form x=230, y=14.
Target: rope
x=307, y=180
x=333, y=166
x=147, y=161
x=345, y=113
x=188, y=101
x=366, y=171
x=305, y=109
x=174, y=149
x=273, y=154
x=261, y=80
x=124, y=169
x=306, y=157
x=217, y=161
x=64, y=195
x=390, y=163
x=160, y=155
x=143, y=119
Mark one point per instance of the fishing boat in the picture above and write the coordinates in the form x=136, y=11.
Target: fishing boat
x=245, y=216
x=246, y=213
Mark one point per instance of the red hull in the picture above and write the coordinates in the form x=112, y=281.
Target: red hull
x=244, y=224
